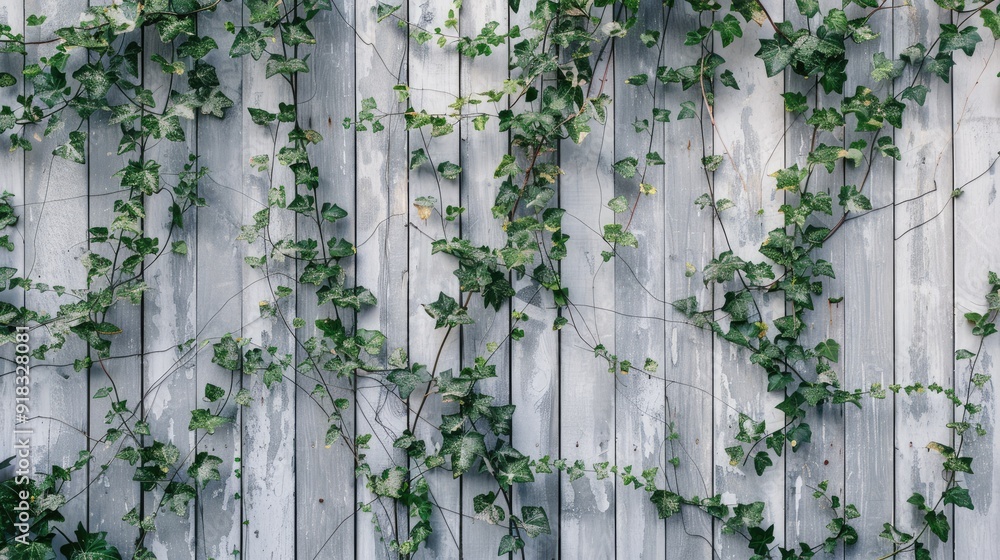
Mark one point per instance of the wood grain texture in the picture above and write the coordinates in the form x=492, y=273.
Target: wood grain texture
x=382, y=212
x=219, y=290
x=751, y=129
x=868, y=339
x=169, y=318
x=976, y=118
x=640, y=403
x=587, y=396
x=56, y=211
x=687, y=366
x=924, y=288
x=433, y=77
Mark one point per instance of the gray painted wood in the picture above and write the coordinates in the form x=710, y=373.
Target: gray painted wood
x=806, y=517
x=219, y=290
x=481, y=152
x=587, y=388
x=975, y=254
x=924, y=286
x=640, y=403
x=268, y=427
x=687, y=367
x=170, y=317
x=569, y=405
x=869, y=455
x=381, y=219
x=751, y=129
x=56, y=211
x=433, y=73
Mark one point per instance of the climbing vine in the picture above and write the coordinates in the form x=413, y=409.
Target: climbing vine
x=555, y=94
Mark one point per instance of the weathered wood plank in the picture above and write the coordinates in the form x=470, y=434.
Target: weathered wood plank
x=868, y=338
x=169, y=319
x=433, y=79
x=977, y=117
x=587, y=396
x=56, y=212
x=923, y=280
x=688, y=238
x=109, y=500
x=823, y=458
x=382, y=266
x=534, y=376
x=640, y=403
x=219, y=290
x=750, y=126
x=268, y=425
x=481, y=152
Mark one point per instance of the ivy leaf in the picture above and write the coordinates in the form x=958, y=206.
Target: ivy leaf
x=177, y=496
x=829, y=349
x=297, y=33
x=203, y=419
x=250, y=41
x=723, y=268
x=213, y=392
x=447, y=312
x=886, y=69
x=449, y=170
x=197, y=47
x=510, y=543
x=278, y=64
x=916, y=93
x=953, y=39
x=205, y=468
x=729, y=80
x=618, y=204
x=991, y=20
x=73, y=150
x=852, y=200
x=626, y=167
x=761, y=461
x=938, y=523
x=406, y=380
x=418, y=158
x=89, y=546
x=383, y=10
x=958, y=496
x=391, y=483
x=464, y=449
x=729, y=29
x=776, y=56
x=534, y=521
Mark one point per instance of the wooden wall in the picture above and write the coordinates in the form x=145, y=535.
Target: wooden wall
x=907, y=273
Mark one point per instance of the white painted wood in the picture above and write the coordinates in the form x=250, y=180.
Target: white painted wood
x=976, y=118
x=56, y=213
x=219, y=290
x=382, y=163
x=923, y=281
x=640, y=404
x=587, y=395
x=481, y=152
x=269, y=436
x=688, y=352
x=433, y=75
x=750, y=126
x=169, y=318
x=868, y=341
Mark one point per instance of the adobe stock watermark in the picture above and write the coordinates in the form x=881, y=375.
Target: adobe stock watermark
x=22, y=436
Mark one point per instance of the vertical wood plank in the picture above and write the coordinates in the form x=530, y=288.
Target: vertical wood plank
x=480, y=155
x=169, y=319
x=109, y=500
x=923, y=279
x=434, y=82
x=750, y=123
x=534, y=376
x=688, y=238
x=640, y=407
x=868, y=341
x=382, y=266
x=823, y=458
x=268, y=424
x=587, y=396
x=12, y=181
x=57, y=212
x=219, y=291
x=977, y=117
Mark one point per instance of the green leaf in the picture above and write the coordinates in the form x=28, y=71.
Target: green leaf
x=991, y=20
x=278, y=64
x=447, y=312
x=418, y=158
x=618, y=204
x=74, y=149
x=203, y=419
x=886, y=69
x=383, y=10
x=205, y=468
x=7, y=80
x=449, y=170
x=761, y=461
x=958, y=496
x=510, y=543
x=250, y=41
x=830, y=349
x=177, y=496
x=213, y=392
x=89, y=546
x=852, y=200
x=464, y=449
x=938, y=524
x=953, y=39
x=406, y=380
x=534, y=521
x=297, y=33
x=626, y=167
